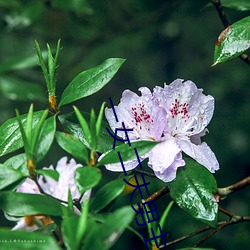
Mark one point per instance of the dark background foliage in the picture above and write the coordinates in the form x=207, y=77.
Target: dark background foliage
x=161, y=41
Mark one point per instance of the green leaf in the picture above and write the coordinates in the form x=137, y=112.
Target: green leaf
x=109, y=232
x=99, y=120
x=20, y=204
x=9, y=176
x=19, y=90
x=107, y=194
x=87, y=177
x=105, y=141
x=92, y=126
x=193, y=191
x=84, y=125
x=241, y=5
x=18, y=162
x=53, y=174
x=73, y=146
x=10, y=136
x=233, y=41
x=90, y=81
x=46, y=138
x=69, y=230
x=74, y=227
x=16, y=240
x=127, y=152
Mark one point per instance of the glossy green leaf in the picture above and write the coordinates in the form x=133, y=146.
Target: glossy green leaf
x=69, y=231
x=99, y=120
x=53, y=174
x=84, y=125
x=9, y=176
x=241, y=5
x=105, y=235
x=46, y=138
x=73, y=146
x=18, y=162
x=90, y=81
x=16, y=240
x=19, y=90
x=233, y=41
x=10, y=136
x=20, y=204
x=107, y=194
x=193, y=191
x=127, y=152
x=87, y=177
x=105, y=141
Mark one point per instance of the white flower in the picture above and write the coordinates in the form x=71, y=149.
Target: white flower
x=58, y=189
x=177, y=115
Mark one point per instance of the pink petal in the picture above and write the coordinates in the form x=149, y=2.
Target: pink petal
x=165, y=158
x=201, y=153
x=29, y=187
x=128, y=165
x=189, y=110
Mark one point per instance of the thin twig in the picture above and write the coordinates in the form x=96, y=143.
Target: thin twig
x=224, y=211
x=145, y=173
x=235, y=220
x=185, y=237
x=156, y=195
x=226, y=23
x=224, y=192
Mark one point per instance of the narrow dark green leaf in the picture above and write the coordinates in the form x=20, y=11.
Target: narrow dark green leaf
x=99, y=120
x=73, y=146
x=127, y=152
x=87, y=177
x=193, y=191
x=110, y=231
x=233, y=41
x=20, y=204
x=105, y=141
x=46, y=138
x=9, y=176
x=92, y=126
x=16, y=240
x=10, y=136
x=90, y=81
x=241, y=5
x=42, y=64
x=69, y=231
x=37, y=131
x=19, y=90
x=107, y=194
x=84, y=125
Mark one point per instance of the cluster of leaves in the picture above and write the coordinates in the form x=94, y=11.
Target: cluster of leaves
x=36, y=130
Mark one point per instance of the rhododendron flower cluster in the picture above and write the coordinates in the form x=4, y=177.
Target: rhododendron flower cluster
x=175, y=115
x=58, y=189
